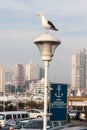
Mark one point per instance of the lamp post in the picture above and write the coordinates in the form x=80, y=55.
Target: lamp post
x=47, y=45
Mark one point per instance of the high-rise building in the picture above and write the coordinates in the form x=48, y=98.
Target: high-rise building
x=2, y=78
x=37, y=88
x=32, y=71
x=42, y=71
x=18, y=76
x=79, y=69
x=86, y=71
x=8, y=77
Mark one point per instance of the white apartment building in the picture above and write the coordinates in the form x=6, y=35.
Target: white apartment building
x=39, y=87
x=2, y=78
x=79, y=70
x=32, y=71
x=36, y=89
x=18, y=75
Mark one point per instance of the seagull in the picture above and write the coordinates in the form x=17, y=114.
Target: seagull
x=46, y=23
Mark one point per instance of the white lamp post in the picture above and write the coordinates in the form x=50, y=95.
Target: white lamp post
x=47, y=45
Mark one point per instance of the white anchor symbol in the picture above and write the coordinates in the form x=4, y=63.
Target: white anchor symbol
x=59, y=94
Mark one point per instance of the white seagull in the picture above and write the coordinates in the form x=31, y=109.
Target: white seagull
x=47, y=24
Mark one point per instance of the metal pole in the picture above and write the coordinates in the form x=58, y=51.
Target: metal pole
x=46, y=64
x=4, y=102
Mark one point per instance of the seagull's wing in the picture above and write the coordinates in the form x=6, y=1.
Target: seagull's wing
x=50, y=23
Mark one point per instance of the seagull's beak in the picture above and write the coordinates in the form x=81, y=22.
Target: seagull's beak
x=38, y=14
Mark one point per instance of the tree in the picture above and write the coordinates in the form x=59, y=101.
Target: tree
x=21, y=105
x=86, y=113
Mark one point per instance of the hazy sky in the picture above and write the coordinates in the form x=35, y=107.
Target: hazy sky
x=20, y=26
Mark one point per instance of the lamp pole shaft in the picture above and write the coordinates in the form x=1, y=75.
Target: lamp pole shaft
x=46, y=64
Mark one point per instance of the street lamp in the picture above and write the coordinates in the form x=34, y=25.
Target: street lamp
x=47, y=45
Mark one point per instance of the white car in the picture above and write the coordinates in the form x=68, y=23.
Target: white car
x=72, y=113
x=82, y=116
x=35, y=113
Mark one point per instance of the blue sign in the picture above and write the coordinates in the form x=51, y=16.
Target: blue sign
x=58, y=102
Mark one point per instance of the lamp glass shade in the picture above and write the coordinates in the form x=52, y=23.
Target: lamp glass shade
x=46, y=48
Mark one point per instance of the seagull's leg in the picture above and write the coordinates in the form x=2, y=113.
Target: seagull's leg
x=46, y=31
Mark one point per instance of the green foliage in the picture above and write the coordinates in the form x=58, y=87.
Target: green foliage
x=8, y=106
x=21, y=105
x=33, y=104
x=68, y=117
x=86, y=113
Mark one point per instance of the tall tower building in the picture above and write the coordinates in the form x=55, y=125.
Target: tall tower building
x=18, y=77
x=2, y=78
x=86, y=72
x=8, y=77
x=42, y=71
x=32, y=71
x=78, y=73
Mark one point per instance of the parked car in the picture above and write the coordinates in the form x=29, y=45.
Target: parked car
x=11, y=122
x=35, y=113
x=51, y=125
x=14, y=124
x=73, y=113
x=15, y=115
x=82, y=116
x=77, y=117
x=75, y=128
x=20, y=124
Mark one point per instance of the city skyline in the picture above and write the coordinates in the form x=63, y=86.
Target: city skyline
x=19, y=26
